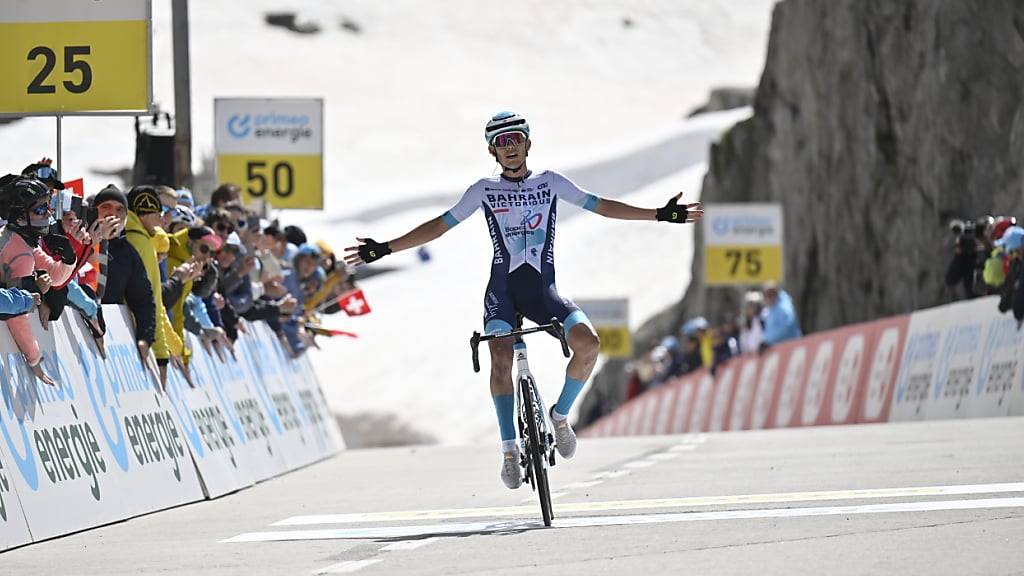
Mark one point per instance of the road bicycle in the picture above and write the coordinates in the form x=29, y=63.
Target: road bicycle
x=537, y=452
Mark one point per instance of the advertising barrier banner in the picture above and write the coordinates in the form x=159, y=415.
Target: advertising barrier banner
x=956, y=361
x=104, y=444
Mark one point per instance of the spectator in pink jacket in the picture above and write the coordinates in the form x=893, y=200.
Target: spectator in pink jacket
x=25, y=205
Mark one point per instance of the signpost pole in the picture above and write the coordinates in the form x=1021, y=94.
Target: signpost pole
x=182, y=97
x=59, y=142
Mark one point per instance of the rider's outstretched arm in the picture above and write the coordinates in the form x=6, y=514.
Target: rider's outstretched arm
x=427, y=232
x=370, y=250
x=671, y=212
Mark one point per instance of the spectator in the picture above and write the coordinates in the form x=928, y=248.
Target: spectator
x=698, y=327
x=185, y=198
x=1011, y=295
x=304, y=279
x=971, y=249
x=182, y=217
x=751, y=327
x=168, y=202
x=126, y=280
x=25, y=205
x=144, y=213
x=692, y=358
x=724, y=346
x=195, y=246
x=779, y=317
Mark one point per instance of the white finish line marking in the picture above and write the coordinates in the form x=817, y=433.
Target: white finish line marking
x=579, y=522
x=783, y=497
x=346, y=567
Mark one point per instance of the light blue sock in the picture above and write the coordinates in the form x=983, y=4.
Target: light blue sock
x=569, y=393
x=504, y=405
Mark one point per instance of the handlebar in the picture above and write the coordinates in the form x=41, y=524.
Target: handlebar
x=554, y=328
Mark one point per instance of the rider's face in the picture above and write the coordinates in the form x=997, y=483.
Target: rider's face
x=512, y=155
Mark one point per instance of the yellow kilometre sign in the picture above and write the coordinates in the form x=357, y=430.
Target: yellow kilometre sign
x=742, y=244
x=616, y=341
x=742, y=264
x=272, y=148
x=67, y=57
x=284, y=181
x=610, y=318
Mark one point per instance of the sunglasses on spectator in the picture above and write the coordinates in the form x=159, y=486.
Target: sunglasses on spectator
x=509, y=139
x=204, y=249
x=225, y=228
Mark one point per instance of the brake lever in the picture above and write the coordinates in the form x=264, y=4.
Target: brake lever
x=560, y=332
x=474, y=343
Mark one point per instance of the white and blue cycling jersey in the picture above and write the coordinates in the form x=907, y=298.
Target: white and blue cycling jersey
x=521, y=221
x=521, y=215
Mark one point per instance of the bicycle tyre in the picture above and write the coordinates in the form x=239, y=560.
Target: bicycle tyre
x=540, y=473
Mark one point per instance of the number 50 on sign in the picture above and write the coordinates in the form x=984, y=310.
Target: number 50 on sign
x=66, y=56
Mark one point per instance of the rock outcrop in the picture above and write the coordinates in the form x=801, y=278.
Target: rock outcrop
x=875, y=123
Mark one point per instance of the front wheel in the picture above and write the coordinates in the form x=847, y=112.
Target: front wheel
x=536, y=452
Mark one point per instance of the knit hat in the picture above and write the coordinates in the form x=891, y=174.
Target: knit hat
x=143, y=200
x=111, y=192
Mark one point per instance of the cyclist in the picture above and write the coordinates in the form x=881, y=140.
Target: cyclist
x=520, y=208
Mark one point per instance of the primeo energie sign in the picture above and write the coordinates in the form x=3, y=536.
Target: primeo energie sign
x=272, y=148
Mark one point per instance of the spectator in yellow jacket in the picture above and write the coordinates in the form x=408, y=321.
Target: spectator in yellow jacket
x=144, y=212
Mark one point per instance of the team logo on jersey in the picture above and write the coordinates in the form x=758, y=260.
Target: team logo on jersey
x=531, y=220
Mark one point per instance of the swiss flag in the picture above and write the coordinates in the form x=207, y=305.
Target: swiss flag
x=353, y=303
x=77, y=187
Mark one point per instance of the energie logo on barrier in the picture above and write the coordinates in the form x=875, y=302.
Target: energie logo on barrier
x=106, y=430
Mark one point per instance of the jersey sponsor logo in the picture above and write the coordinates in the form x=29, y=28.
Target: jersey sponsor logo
x=491, y=227
x=532, y=220
x=518, y=200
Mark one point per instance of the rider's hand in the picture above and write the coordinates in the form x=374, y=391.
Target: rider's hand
x=673, y=212
x=369, y=251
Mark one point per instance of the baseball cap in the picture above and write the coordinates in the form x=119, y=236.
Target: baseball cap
x=206, y=235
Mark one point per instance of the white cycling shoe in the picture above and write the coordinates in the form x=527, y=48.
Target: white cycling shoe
x=511, y=474
x=565, y=438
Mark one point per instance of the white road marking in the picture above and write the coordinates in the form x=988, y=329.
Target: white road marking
x=771, y=498
x=554, y=496
x=683, y=448
x=664, y=456
x=577, y=485
x=346, y=567
x=577, y=522
x=636, y=464
x=408, y=545
x=618, y=473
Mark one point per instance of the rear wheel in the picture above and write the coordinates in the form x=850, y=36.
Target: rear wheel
x=536, y=452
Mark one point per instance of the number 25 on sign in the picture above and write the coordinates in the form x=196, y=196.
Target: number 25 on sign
x=68, y=67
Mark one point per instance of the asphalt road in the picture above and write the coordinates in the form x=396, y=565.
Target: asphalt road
x=921, y=498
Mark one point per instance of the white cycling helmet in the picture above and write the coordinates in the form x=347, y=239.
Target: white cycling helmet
x=503, y=122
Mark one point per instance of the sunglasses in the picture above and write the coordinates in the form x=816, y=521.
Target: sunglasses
x=45, y=172
x=41, y=210
x=509, y=139
x=224, y=228
x=204, y=249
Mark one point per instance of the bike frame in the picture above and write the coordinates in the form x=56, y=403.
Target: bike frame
x=525, y=377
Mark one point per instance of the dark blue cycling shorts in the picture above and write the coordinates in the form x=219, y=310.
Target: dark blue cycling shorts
x=529, y=293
